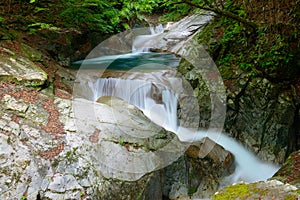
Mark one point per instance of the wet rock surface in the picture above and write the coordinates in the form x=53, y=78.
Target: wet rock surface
x=290, y=170
x=197, y=175
x=262, y=115
x=175, y=35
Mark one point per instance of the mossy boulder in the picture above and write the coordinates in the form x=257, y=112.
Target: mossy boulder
x=258, y=190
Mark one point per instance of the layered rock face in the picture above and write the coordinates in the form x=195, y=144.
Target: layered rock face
x=49, y=151
x=262, y=115
x=53, y=147
x=196, y=176
x=44, y=155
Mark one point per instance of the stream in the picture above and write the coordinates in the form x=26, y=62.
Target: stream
x=149, y=81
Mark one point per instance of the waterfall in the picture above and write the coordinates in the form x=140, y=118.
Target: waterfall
x=158, y=104
x=248, y=167
x=140, y=42
x=156, y=29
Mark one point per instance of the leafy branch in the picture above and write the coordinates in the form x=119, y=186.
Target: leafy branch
x=210, y=6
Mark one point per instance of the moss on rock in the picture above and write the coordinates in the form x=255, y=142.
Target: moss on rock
x=258, y=190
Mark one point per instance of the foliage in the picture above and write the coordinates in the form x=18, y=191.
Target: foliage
x=259, y=37
x=41, y=26
x=269, y=48
x=173, y=12
x=104, y=16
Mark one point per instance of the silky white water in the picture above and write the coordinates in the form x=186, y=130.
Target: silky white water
x=248, y=167
x=164, y=113
x=140, y=93
x=159, y=104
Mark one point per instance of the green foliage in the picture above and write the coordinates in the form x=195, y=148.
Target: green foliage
x=273, y=52
x=265, y=51
x=23, y=197
x=173, y=12
x=104, y=16
x=122, y=143
x=40, y=26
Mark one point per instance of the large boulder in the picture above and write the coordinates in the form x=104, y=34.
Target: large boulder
x=197, y=175
x=48, y=151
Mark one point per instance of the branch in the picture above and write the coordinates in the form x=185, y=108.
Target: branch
x=221, y=12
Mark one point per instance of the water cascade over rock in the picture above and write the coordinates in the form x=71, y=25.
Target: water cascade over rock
x=159, y=104
x=159, y=100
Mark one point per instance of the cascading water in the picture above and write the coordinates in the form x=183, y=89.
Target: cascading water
x=162, y=109
x=164, y=113
x=156, y=29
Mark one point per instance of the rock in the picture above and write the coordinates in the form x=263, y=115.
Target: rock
x=68, y=46
x=31, y=53
x=148, y=187
x=38, y=162
x=194, y=77
x=62, y=183
x=141, y=145
x=258, y=190
x=21, y=70
x=290, y=170
x=198, y=176
x=262, y=115
x=218, y=154
x=175, y=35
x=13, y=104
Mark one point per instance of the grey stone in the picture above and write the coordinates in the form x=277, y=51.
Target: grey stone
x=21, y=70
x=13, y=104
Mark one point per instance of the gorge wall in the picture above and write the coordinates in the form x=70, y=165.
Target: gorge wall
x=262, y=115
x=45, y=156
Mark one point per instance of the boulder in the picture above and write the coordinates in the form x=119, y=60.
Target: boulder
x=49, y=151
x=258, y=190
x=195, y=175
x=290, y=170
x=20, y=69
x=175, y=35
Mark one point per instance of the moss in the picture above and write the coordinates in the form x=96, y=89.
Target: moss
x=292, y=197
x=25, y=82
x=192, y=190
x=55, y=163
x=32, y=54
x=240, y=190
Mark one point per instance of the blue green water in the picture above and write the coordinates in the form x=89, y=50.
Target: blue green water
x=143, y=60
